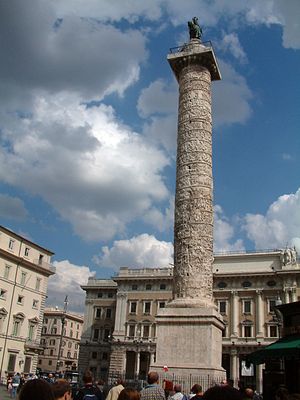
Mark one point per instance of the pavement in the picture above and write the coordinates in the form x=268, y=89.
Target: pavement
x=3, y=393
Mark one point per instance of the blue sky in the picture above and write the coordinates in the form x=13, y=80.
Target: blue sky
x=88, y=114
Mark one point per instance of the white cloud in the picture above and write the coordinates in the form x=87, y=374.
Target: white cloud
x=279, y=227
x=67, y=281
x=231, y=43
x=162, y=221
x=233, y=86
x=224, y=233
x=96, y=172
x=12, y=208
x=138, y=252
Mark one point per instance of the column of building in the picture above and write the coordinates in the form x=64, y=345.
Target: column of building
x=259, y=314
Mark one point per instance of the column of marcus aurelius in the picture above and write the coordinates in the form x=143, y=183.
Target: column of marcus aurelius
x=189, y=329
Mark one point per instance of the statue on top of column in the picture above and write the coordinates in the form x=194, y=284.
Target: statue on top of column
x=289, y=256
x=194, y=29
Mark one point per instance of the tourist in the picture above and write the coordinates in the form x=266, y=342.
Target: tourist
x=114, y=392
x=36, y=389
x=249, y=393
x=9, y=386
x=62, y=390
x=222, y=393
x=153, y=390
x=89, y=388
x=178, y=395
x=15, y=384
x=197, y=391
x=129, y=394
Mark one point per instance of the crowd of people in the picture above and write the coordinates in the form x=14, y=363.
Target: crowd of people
x=60, y=389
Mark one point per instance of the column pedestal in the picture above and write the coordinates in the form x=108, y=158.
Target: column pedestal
x=182, y=343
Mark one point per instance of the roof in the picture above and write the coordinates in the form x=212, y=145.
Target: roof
x=287, y=347
x=23, y=239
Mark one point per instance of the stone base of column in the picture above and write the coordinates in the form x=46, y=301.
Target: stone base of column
x=189, y=343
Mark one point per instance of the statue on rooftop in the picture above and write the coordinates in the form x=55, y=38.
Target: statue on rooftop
x=194, y=29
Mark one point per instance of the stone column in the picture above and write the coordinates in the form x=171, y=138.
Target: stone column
x=294, y=294
x=137, y=362
x=259, y=314
x=119, y=328
x=234, y=312
x=286, y=295
x=234, y=366
x=193, y=230
x=259, y=378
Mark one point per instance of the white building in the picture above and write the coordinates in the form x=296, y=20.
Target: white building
x=119, y=334
x=60, y=338
x=24, y=271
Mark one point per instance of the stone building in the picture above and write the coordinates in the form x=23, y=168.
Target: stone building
x=60, y=338
x=24, y=271
x=119, y=334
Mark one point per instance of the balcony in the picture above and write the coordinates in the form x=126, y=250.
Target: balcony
x=45, y=265
x=33, y=345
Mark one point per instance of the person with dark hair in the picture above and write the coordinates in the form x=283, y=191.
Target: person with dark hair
x=197, y=390
x=114, y=392
x=178, y=395
x=36, y=389
x=62, y=390
x=249, y=393
x=222, y=393
x=129, y=394
x=153, y=391
x=89, y=391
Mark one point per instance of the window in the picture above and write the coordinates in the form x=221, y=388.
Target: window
x=23, y=278
x=108, y=313
x=134, y=287
x=77, y=334
x=247, y=306
x=69, y=345
x=71, y=333
x=35, y=303
x=50, y=362
x=75, y=354
x=77, y=326
x=44, y=329
x=222, y=306
x=11, y=244
x=6, y=272
x=71, y=324
x=224, y=332
x=104, y=356
x=273, y=331
x=26, y=252
x=76, y=346
x=146, y=331
x=38, y=283
x=148, y=286
x=51, y=352
x=247, y=330
x=98, y=312
x=54, y=321
x=54, y=331
x=133, y=307
x=147, y=307
x=31, y=332
x=106, y=334
x=52, y=342
x=20, y=299
x=41, y=257
x=94, y=355
x=131, y=331
x=96, y=334
x=272, y=304
x=16, y=327
x=69, y=354
x=162, y=304
x=110, y=295
x=99, y=295
x=162, y=286
x=3, y=294
x=45, y=320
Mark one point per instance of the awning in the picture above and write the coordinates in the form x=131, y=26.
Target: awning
x=288, y=347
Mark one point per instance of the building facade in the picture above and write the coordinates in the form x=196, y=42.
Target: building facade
x=246, y=287
x=24, y=271
x=60, y=338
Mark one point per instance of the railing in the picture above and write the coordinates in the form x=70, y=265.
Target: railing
x=185, y=47
x=33, y=344
x=45, y=265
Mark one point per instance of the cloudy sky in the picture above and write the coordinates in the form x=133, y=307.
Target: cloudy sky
x=88, y=112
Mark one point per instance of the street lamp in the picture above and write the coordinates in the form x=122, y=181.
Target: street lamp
x=63, y=321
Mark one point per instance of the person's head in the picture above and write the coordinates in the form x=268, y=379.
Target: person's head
x=230, y=382
x=177, y=388
x=87, y=377
x=62, y=390
x=152, y=377
x=119, y=381
x=249, y=393
x=36, y=389
x=222, y=393
x=282, y=393
x=196, y=389
x=224, y=382
x=129, y=394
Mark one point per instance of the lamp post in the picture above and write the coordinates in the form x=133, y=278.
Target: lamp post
x=63, y=321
